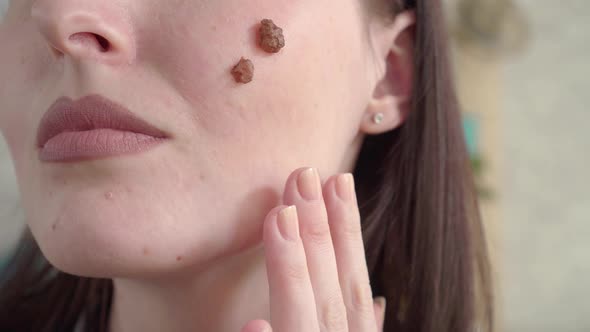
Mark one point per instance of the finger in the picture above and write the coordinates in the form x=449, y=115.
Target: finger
x=258, y=325
x=304, y=190
x=379, y=306
x=292, y=306
x=345, y=227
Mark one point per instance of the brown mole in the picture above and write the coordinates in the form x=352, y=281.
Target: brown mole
x=271, y=36
x=243, y=72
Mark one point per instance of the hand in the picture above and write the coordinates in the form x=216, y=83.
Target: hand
x=317, y=273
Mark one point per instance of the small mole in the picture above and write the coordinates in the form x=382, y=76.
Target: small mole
x=146, y=251
x=109, y=195
x=178, y=258
x=55, y=223
x=271, y=36
x=243, y=72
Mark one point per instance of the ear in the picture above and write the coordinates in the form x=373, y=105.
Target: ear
x=393, y=47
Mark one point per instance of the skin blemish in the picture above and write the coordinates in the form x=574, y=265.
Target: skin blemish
x=55, y=224
x=243, y=72
x=178, y=258
x=109, y=196
x=145, y=251
x=271, y=37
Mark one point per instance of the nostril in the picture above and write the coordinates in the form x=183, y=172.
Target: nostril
x=103, y=42
x=91, y=40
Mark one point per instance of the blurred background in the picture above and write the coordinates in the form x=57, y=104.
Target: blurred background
x=522, y=71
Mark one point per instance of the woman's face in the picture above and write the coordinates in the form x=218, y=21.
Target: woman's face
x=204, y=191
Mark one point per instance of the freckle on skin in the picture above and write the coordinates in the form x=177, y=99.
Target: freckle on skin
x=146, y=251
x=178, y=258
x=54, y=225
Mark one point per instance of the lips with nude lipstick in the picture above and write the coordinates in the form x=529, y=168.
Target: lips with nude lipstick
x=92, y=127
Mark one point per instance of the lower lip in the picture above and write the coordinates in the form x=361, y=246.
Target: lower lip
x=95, y=144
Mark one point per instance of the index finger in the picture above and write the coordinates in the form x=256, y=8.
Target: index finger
x=292, y=305
x=345, y=227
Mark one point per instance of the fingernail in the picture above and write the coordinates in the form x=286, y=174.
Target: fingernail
x=308, y=184
x=345, y=187
x=288, y=223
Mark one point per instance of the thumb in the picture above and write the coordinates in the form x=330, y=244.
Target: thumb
x=379, y=305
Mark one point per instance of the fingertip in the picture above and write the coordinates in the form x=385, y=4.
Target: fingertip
x=291, y=194
x=258, y=325
x=270, y=221
x=379, y=305
x=328, y=187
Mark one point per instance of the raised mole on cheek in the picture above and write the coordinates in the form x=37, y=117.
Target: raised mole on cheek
x=271, y=40
x=271, y=36
x=243, y=72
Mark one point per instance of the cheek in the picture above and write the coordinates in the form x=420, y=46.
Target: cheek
x=308, y=84
x=20, y=95
x=12, y=121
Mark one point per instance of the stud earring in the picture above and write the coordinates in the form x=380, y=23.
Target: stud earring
x=378, y=118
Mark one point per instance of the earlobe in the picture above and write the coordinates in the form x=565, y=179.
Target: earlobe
x=390, y=102
x=384, y=114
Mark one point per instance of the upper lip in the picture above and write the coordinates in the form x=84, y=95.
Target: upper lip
x=88, y=113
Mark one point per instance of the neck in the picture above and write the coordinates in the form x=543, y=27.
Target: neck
x=223, y=297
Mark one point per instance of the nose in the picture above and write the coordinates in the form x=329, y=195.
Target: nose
x=86, y=30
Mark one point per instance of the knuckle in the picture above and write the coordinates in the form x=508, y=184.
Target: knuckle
x=361, y=300
x=317, y=233
x=296, y=272
x=351, y=228
x=333, y=315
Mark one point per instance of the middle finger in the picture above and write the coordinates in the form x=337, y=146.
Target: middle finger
x=304, y=190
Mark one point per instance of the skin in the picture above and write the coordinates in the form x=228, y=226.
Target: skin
x=184, y=229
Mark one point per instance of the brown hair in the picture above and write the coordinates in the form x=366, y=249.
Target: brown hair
x=425, y=246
